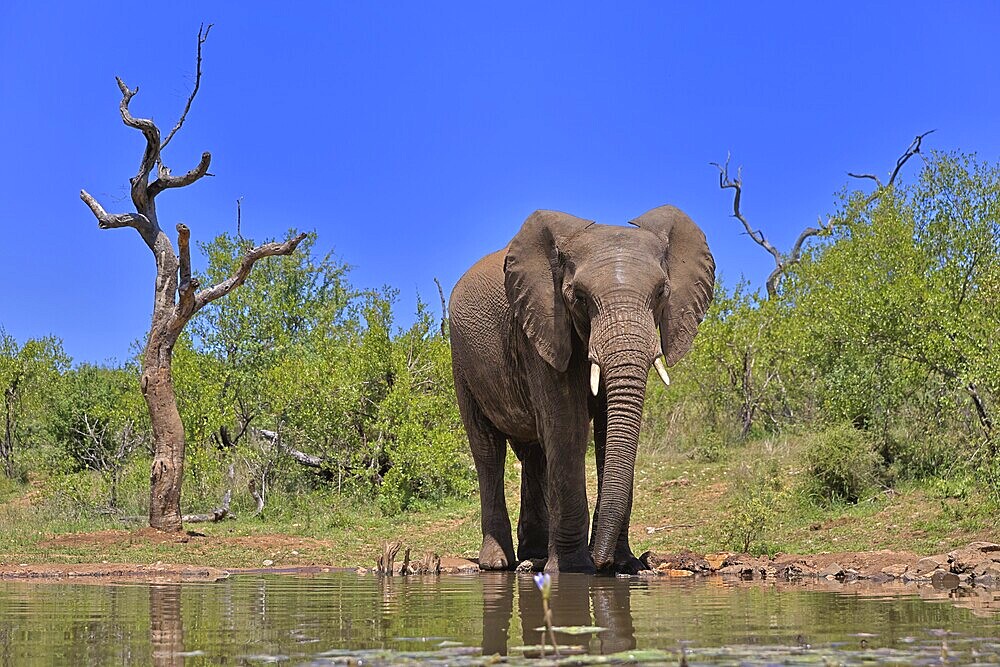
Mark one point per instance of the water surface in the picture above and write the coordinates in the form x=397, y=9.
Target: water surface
x=332, y=618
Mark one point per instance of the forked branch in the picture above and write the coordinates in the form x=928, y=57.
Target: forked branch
x=782, y=261
x=107, y=220
x=202, y=37
x=272, y=249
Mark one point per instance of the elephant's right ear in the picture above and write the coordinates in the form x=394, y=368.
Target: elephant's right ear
x=533, y=271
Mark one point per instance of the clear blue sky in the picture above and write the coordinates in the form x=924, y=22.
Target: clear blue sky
x=416, y=137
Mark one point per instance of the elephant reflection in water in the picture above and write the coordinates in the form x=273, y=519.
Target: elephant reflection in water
x=575, y=600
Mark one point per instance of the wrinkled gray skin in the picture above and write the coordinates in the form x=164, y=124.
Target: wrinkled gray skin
x=526, y=324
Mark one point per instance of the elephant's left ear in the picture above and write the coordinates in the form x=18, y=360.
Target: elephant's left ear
x=533, y=272
x=690, y=271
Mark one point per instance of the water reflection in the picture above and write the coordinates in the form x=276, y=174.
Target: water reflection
x=254, y=618
x=166, y=625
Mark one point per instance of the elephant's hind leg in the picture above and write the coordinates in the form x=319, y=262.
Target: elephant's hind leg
x=533, y=522
x=489, y=449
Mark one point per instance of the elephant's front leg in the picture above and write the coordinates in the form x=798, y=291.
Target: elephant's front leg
x=625, y=560
x=565, y=452
x=533, y=522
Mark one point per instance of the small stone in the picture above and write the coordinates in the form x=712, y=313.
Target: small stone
x=944, y=579
x=268, y=562
x=986, y=569
x=832, y=571
x=715, y=561
x=925, y=566
x=361, y=570
x=524, y=566
x=678, y=573
x=896, y=571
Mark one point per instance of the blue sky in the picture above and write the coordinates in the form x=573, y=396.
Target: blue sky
x=416, y=137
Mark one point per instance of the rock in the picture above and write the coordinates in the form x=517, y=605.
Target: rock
x=832, y=571
x=896, y=571
x=524, y=566
x=942, y=578
x=790, y=571
x=742, y=571
x=715, y=561
x=986, y=547
x=676, y=573
x=267, y=562
x=925, y=566
x=986, y=568
x=684, y=560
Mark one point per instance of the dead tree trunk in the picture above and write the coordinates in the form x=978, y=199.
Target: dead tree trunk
x=176, y=296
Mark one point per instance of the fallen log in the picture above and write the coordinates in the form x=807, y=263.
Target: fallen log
x=218, y=514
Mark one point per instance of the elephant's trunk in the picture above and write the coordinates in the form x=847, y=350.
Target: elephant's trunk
x=625, y=357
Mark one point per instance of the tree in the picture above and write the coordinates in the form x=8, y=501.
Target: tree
x=784, y=261
x=100, y=423
x=176, y=299
x=28, y=374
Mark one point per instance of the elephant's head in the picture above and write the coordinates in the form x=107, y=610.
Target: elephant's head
x=612, y=288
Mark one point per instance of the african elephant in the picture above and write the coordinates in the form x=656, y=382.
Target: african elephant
x=557, y=329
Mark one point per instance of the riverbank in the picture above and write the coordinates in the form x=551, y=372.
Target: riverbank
x=681, y=506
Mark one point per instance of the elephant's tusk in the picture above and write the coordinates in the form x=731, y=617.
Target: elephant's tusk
x=595, y=378
x=661, y=370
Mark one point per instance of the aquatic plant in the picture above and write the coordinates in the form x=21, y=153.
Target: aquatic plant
x=544, y=583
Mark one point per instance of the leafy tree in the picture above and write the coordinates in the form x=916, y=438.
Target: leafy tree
x=102, y=421
x=29, y=377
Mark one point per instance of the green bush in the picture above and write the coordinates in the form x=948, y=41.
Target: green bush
x=755, y=496
x=842, y=464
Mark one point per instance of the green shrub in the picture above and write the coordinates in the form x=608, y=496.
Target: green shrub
x=842, y=464
x=755, y=493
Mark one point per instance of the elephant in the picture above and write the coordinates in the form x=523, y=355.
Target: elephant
x=557, y=330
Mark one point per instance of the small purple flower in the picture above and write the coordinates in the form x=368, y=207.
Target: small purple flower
x=544, y=583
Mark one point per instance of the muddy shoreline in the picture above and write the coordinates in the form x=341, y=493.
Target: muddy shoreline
x=976, y=565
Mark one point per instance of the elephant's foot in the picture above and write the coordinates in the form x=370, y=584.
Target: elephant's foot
x=527, y=550
x=532, y=565
x=492, y=556
x=626, y=562
x=579, y=561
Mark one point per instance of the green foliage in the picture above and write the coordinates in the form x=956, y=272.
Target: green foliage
x=29, y=379
x=886, y=324
x=842, y=464
x=755, y=496
x=300, y=354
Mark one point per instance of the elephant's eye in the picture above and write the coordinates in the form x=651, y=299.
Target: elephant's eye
x=579, y=296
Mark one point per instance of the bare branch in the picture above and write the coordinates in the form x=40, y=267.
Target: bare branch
x=186, y=287
x=272, y=249
x=782, y=262
x=150, y=155
x=911, y=150
x=202, y=38
x=736, y=184
x=873, y=177
x=165, y=180
x=107, y=220
x=444, y=309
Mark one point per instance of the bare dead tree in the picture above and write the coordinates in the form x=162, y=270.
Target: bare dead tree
x=784, y=261
x=444, y=309
x=177, y=296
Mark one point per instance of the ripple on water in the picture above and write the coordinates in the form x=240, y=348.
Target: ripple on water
x=329, y=618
